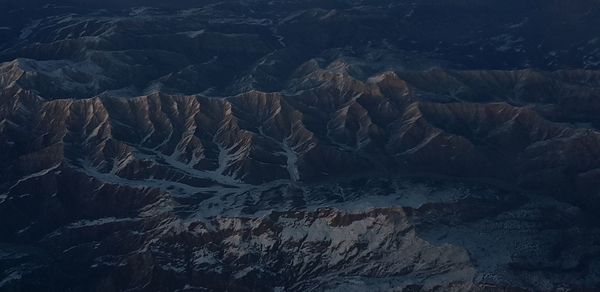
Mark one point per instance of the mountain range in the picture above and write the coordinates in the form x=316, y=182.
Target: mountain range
x=342, y=145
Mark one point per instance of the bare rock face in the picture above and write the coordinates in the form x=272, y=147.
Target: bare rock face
x=300, y=146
